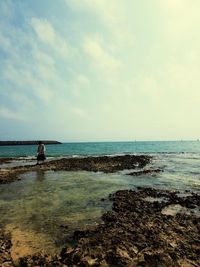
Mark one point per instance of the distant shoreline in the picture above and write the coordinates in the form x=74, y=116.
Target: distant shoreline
x=31, y=142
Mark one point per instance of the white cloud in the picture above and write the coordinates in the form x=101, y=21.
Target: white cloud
x=101, y=57
x=109, y=11
x=44, y=30
x=114, y=16
x=29, y=69
x=47, y=34
x=79, y=112
x=80, y=85
x=45, y=94
x=180, y=19
x=150, y=88
x=5, y=43
x=178, y=6
x=27, y=83
x=21, y=100
x=82, y=80
x=11, y=114
x=43, y=58
x=135, y=57
x=6, y=9
x=184, y=81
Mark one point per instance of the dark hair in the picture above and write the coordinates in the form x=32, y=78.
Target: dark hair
x=40, y=142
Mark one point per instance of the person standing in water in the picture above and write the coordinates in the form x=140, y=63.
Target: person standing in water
x=40, y=152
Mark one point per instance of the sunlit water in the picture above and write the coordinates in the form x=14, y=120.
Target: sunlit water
x=44, y=208
x=102, y=148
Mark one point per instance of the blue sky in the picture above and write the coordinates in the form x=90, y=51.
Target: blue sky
x=98, y=70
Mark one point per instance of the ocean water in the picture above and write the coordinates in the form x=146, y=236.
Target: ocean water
x=44, y=208
x=103, y=148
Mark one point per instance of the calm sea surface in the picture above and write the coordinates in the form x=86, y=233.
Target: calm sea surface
x=102, y=148
x=43, y=209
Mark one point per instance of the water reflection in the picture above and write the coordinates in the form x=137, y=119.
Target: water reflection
x=40, y=175
x=53, y=204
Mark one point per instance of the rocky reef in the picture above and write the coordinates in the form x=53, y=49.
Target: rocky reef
x=144, y=171
x=146, y=227
x=5, y=247
x=104, y=164
x=136, y=232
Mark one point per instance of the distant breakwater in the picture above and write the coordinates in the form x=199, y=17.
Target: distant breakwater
x=32, y=142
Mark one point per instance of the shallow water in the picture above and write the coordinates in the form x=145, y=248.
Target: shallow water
x=181, y=171
x=44, y=208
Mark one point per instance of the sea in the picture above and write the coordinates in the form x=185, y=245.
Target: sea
x=103, y=148
x=42, y=209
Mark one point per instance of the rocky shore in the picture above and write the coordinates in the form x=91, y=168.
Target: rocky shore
x=104, y=164
x=145, y=227
x=138, y=231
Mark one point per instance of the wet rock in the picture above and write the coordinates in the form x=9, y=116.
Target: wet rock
x=5, y=247
x=135, y=233
x=39, y=260
x=104, y=164
x=5, y=160
x=146, y=171
x=64, y=226
x=109, y=216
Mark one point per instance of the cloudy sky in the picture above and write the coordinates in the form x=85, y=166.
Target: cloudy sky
x=99, y=70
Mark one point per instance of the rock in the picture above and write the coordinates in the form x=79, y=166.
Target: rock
x=104, y=164
x=5, y=247
x=146, y=171
x=137, y=234
x=7, y=264
x=134, y=233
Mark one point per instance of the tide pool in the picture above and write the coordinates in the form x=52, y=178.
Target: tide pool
x=42, y=210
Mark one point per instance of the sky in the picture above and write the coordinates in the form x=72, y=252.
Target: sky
x=99, y=70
